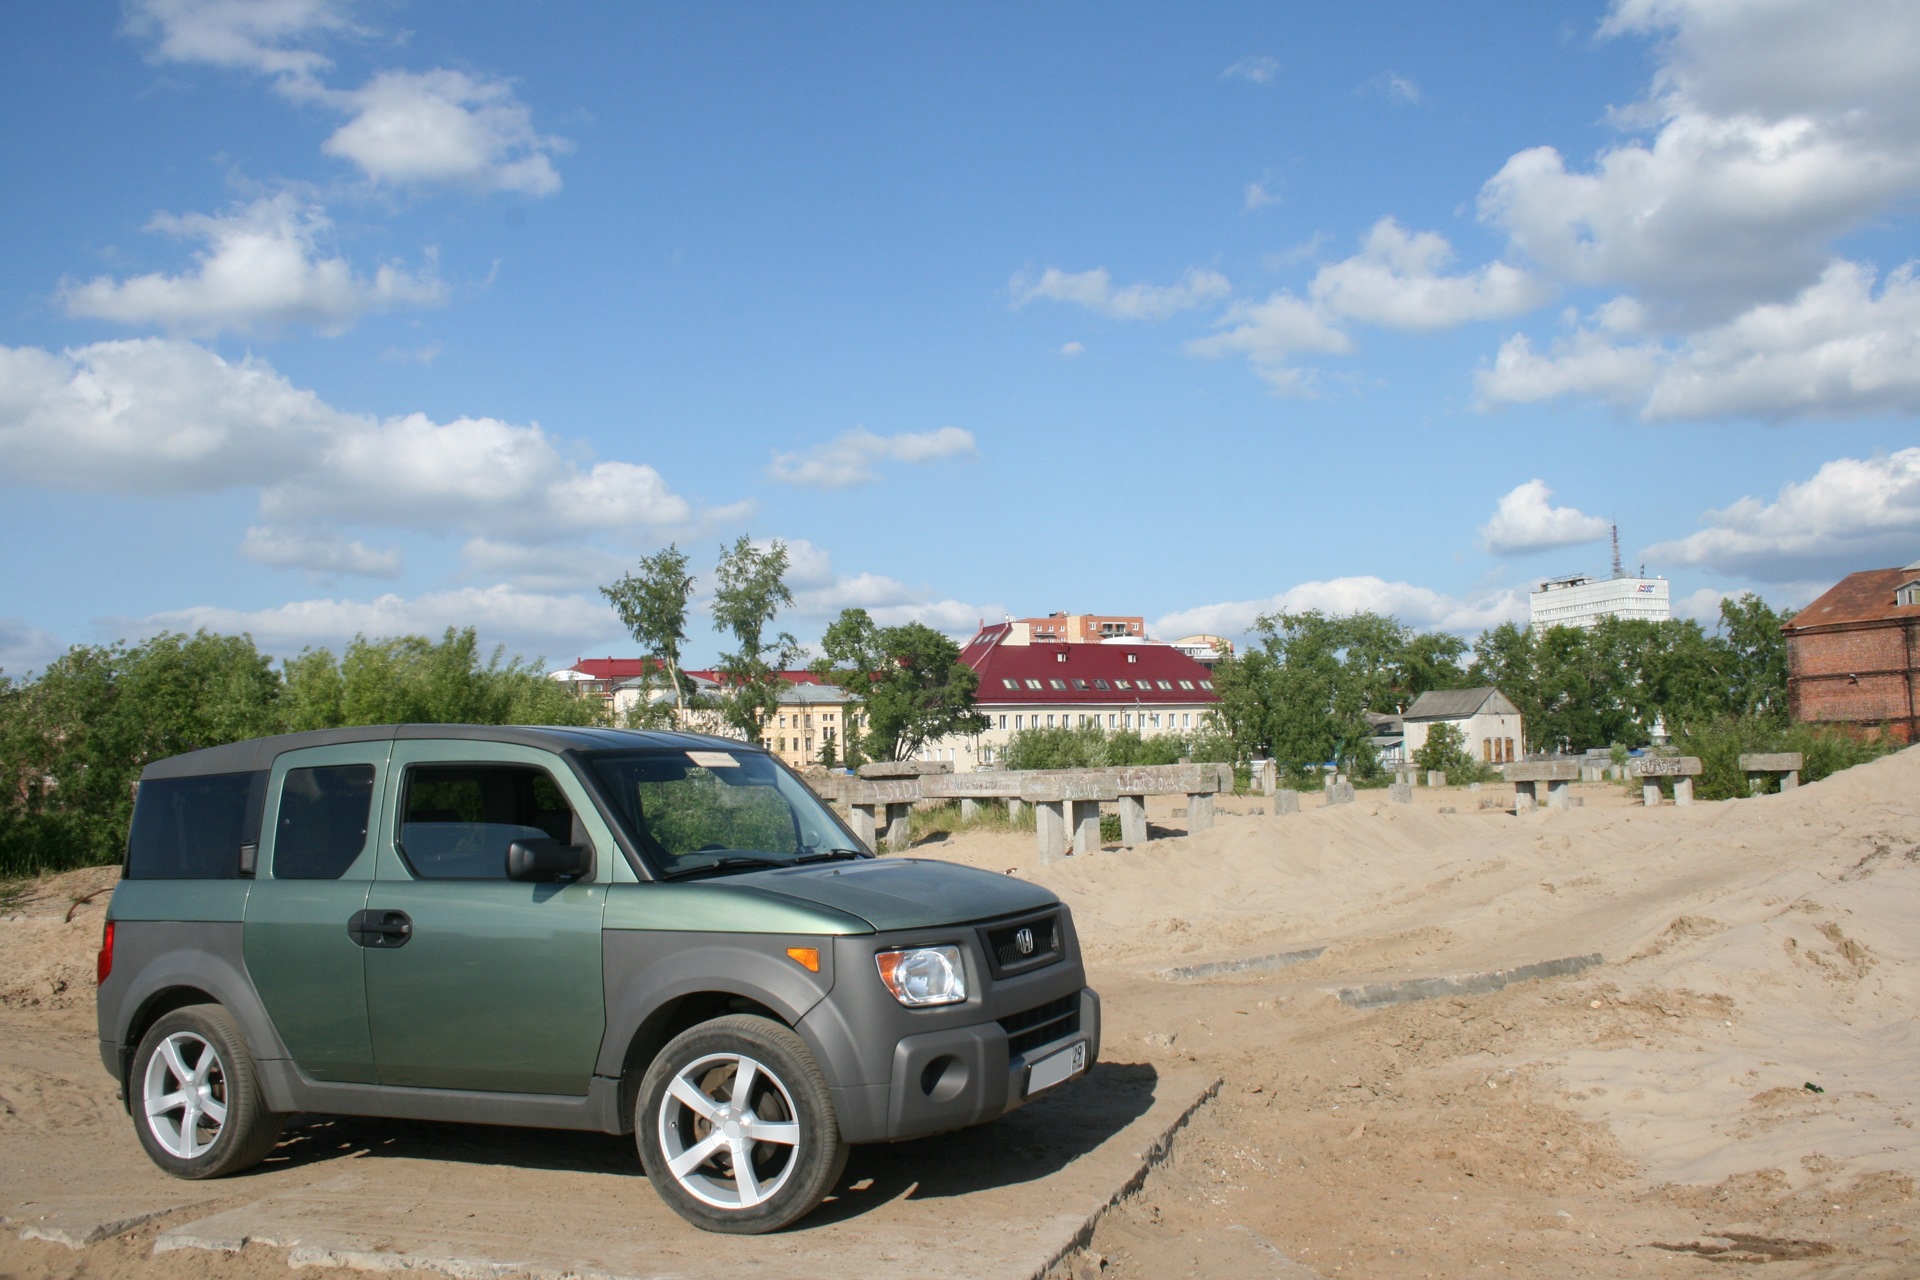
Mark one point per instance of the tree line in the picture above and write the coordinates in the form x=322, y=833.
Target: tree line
x=1304, y=692
x=74, y=739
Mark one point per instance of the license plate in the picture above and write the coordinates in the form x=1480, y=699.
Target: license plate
x=1057, y=1067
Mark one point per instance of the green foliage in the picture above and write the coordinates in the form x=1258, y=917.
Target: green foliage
x=944, y=819
x=1721, y=741
x=1445, y=750
x=1091, y=746
x=1617, y=681
x=73, y=741
x=1302, y=694
x=652, y=605
x=749, y=593
x=910, y=682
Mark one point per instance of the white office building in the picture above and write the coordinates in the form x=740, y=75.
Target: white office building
x=1580, y=601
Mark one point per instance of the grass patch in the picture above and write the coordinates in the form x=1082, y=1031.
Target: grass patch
x=945, y=819
x=14, y=894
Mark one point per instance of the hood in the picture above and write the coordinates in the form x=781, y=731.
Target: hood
x=904, y=893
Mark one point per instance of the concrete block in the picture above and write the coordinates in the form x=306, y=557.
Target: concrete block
x=1400, y=793
x=903, y=768
x=1683, y=790
x=1285, y=802
x=863, y=826
x=1086, y=825
x=1650, y=792
x=1436, y=778
x=1016, y=809
x=1773, y=762
x=1050, y=825
x=1559, y=795
x=1541, y=771
x=1133, y=821
x=859, y=791
x=899, y=827
x=1070, y=784
x=1199, y=812
x=1790, y=781
x=1524, y=801
x=1340, y=793
x=1665, y=767
x=969, y=809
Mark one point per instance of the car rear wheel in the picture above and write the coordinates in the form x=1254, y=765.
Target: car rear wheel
x=196, y=1099
x=736, y=1127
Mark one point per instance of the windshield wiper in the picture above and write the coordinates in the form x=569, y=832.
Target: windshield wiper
x=834, y=855
x=726, y=863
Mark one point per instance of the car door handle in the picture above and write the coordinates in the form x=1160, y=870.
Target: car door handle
x=386, y=929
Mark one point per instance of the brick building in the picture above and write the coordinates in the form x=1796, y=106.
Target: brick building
x=1853, y=655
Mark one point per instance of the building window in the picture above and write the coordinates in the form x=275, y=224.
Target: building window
x=1033, y=684
x=1081, y=685
x=1011, y=684
x=1102, y=686
x=1003, y=722
x=1186, y=719
x=1112, y=720
x=1133, y=657
x=1123, y=684
x=1165, y=684
x=1059, y=684
x=1049, y=719
x=1186, y=684
x=783, y=744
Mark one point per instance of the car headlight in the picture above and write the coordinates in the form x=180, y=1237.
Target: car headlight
x=921, y=976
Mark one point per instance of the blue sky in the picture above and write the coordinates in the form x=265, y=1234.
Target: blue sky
x=321, y=318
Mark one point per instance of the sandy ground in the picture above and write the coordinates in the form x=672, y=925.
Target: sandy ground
x=1735, y=1082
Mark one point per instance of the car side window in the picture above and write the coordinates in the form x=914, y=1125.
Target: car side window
x=323, y=821
x=457, y=820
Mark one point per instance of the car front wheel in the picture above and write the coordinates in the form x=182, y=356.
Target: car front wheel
x=736, y=1127
x=196, y=1101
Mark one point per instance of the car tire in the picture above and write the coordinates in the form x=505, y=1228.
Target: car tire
x=195, y=1096
x=696, y=1133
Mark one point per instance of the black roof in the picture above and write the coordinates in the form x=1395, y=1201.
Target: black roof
x=258, y=753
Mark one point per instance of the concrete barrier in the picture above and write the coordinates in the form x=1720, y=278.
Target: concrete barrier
x=1650, y=769
x=1068, y=800
x=1787, y=764
x=1527, y=775
x=1286, y=802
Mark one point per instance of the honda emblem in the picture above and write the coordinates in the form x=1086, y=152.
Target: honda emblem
x=1024, y=941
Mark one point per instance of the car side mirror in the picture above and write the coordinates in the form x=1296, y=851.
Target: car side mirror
x=545, y=861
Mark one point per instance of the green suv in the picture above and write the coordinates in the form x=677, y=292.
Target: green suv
x=655, y=933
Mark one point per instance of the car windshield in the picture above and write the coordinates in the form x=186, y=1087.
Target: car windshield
x=715, y=811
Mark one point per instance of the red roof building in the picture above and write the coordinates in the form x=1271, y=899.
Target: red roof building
x=1853, y=655
x=1027, y=682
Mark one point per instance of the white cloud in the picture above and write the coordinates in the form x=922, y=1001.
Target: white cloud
x=1257, y=68
x=542, y=567
x=317, y=553
x=1419, y=607
x=262, y=268
x=1269, y=334
x=530, y=624
x=443, y=126
x=1397, y=87
x=158, y=415
x=1071, y=349
x=1526, y=521
x=248, y=35
x=1839, y=348
x=1094, y=290
x=1396, y=281
x=1258, y=197
x=1778, y=127
x=1853, y=513
x=851, y=459
x=25, y=649
x=404, y=128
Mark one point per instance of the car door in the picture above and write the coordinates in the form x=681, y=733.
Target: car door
x=475, y=981
x=314, y=866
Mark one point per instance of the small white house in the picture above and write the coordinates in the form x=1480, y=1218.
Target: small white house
x=1489, y=724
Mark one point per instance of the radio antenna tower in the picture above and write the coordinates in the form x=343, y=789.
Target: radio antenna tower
x=1618, y=572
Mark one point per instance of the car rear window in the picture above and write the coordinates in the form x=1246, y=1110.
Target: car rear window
x=192, y=828
x=323, y=821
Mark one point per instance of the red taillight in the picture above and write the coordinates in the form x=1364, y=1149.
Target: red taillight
x=104, y=965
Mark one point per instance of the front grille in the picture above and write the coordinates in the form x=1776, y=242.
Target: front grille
x=1043, y=943
x=1042, y=1024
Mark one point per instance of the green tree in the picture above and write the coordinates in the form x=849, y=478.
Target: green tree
x=750, y=590
x=910, y=682
x=1444, y=750
x=652, y=605
x=1756, y=648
